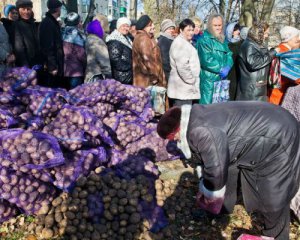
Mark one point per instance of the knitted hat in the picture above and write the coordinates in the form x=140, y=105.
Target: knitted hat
x=24, y=3
x=72, y=19
x=167, y=23
x=169, y=123
x=287, y=33
x=123, y=20
x=7, y=9
x=143, y=22
x=53, y=4
x=95, y=27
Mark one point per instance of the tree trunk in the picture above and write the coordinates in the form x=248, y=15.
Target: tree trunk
x=133, y=9
x=223, y=7
x=248, y=13
x=267, y=10
x=72, y=6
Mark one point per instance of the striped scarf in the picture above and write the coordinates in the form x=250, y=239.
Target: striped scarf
x=290, y=64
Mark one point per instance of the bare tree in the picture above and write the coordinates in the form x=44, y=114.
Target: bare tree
x=267, y=10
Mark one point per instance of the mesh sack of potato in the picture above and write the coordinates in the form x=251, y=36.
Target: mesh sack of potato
x=7, y=210
x=127, y=128
x=154, y=147
x=109, y=91
x=77, y=127
x=25, y=191
x=16, y=79
x=42, y=101
x=7, y=119
x=101, y=109
x=26, y=150
x=78, y=163
x=31, y=122
x=6, y=97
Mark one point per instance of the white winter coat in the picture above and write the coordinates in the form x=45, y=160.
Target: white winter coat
x=184, y=80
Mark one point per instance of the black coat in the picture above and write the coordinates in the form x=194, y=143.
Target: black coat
x=8, y=24
x=164, y=44
x=233, y=74
x=259, y=140
x=254, y=64
x=25, y=43
x=121, y=61
x=51, y=44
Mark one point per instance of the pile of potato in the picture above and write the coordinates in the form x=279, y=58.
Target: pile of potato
x=16, y=79
x=101, y=206
x=25, y=150
x=101, y=110
x=25, y=191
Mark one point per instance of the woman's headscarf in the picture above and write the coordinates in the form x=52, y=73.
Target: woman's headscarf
x=256, y=32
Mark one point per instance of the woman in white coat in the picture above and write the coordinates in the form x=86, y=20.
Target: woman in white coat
x=183, y=84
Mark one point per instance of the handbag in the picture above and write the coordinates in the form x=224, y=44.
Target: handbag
x=221, y=91
x=158, y=98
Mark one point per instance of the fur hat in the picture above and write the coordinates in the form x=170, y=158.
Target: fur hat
x=7, y=9
x=24, y=3
x=72, y=19
x=94, y=27
x=169, y=122
x=143, y=22
x=53, y=4
x=123, y=20
x=165, y=24
x=287, y=33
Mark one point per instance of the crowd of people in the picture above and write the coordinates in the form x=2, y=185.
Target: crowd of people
x=184, y=56
x=187, y=60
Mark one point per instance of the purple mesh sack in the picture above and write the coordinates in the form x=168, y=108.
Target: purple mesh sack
x=7, y=210
x=109, y=91
x=31, y=122
x=42, y=101
x=6, y=97
x=154, y=147
x=25, y=150
x=16, y=79
x=77, y=127
x=127, y=128
x=26, y=192
x=7, y=119
x=79, y=163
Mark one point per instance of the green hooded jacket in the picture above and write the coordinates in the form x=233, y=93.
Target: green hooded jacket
x=213, y=56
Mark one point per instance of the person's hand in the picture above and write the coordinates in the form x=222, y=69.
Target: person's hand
x=224, y=72
x=54, y=72
x=211, y=201
x=10, y=59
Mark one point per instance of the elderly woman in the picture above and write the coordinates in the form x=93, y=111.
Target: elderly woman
x=254, y=64
x=183, y=85
x=165, y=40
x=98, y=64
x=147, y=62
x=289, y=41
x=120, y=52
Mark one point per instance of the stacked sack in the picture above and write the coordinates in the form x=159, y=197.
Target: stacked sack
x=51, y=138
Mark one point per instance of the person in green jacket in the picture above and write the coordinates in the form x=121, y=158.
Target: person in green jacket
x=215, y=57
